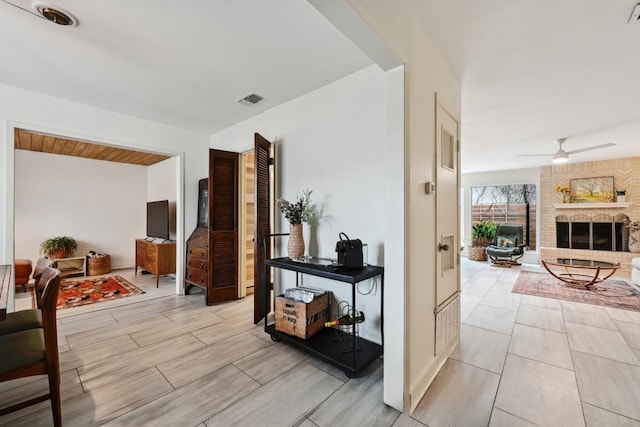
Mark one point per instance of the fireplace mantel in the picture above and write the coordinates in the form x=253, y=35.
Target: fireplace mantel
x=616, y=205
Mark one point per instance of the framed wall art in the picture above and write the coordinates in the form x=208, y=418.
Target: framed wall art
x=592, y=190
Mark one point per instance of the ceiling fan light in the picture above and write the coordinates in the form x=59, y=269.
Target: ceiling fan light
x=560, y=158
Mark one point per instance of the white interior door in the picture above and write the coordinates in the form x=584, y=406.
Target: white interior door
x=447, y=159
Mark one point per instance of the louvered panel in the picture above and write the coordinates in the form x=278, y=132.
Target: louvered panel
x=223, y=226
x=224, y=266
x=224, y=210
x=262, y=149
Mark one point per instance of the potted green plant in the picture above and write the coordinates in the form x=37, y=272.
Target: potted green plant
x=482, y=234
x=58, y=247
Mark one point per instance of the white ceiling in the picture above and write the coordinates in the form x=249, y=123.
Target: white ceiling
x=183, y=62
x=531, y=72
x=536, y=71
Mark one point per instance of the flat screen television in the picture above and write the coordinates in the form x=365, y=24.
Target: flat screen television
x=158, y=219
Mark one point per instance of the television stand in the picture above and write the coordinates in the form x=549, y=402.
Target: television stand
x=156, y=258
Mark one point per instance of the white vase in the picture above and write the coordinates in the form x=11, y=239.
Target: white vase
x=295, y=247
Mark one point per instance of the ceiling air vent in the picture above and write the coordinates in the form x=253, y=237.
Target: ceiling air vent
x=250, y=99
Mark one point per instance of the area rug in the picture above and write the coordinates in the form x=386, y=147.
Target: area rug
x=74, y=293
x=610, y=293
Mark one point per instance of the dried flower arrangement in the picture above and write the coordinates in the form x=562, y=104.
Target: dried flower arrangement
x=302, y=210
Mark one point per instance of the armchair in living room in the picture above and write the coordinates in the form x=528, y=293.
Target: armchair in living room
x=507, y=246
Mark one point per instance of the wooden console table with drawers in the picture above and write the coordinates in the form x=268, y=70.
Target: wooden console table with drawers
x=156, y=258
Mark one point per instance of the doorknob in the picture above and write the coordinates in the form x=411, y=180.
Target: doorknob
x=442, y=247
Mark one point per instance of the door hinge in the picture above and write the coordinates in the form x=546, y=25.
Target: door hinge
x=458, y=146
x=271, y=161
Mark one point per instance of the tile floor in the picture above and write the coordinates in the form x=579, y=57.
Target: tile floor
x=160, y=359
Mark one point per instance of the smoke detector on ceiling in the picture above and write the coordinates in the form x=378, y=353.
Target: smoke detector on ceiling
x=54, y=14
x=250, y=99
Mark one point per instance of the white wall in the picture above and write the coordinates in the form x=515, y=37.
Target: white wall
x=162, y=185
x=29, y=110
x=426, y=73
x=100, y=204
x=504, y=177
x=331, y=141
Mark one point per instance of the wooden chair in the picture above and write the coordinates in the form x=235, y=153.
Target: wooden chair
x=37, y=272
x=28, y=319
x=35, y=351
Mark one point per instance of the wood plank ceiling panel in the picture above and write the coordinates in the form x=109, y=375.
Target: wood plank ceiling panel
x=32, y=141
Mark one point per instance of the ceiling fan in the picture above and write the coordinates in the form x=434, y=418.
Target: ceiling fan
x=562, y=156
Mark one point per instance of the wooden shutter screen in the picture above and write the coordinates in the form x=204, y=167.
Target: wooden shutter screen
x=262, y=227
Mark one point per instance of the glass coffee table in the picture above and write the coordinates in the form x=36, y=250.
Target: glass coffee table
x=581, y=273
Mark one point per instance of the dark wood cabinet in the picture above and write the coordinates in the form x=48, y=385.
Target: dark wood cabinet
x=197, y=273
x=156, y=258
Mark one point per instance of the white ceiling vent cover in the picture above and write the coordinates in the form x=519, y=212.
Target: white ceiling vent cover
x=250, y=99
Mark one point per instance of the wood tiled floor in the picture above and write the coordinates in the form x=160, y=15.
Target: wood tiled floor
x=159, y=359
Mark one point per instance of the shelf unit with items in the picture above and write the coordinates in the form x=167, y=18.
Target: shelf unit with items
x=74, y=266
x=344, y=350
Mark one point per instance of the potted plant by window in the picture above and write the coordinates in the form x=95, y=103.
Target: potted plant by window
x=58, y=247
x=482, y=234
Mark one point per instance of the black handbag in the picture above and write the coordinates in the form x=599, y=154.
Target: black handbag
x=349, y=252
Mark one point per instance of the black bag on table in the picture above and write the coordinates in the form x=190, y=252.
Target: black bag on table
x=349, y=252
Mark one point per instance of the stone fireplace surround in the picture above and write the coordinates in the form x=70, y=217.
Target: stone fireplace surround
x=626, y=176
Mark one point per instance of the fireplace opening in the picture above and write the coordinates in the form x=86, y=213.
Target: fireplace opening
x=580, y=235
x=599, y=233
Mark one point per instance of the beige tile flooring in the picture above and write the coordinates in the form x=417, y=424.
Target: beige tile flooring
x=160, y=359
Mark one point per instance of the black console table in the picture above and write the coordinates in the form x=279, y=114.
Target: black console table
x=344, y=350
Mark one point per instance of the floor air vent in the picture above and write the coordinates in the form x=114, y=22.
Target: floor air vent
x=447, y=325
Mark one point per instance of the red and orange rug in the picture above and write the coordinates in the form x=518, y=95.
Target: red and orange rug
x=74, y=293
